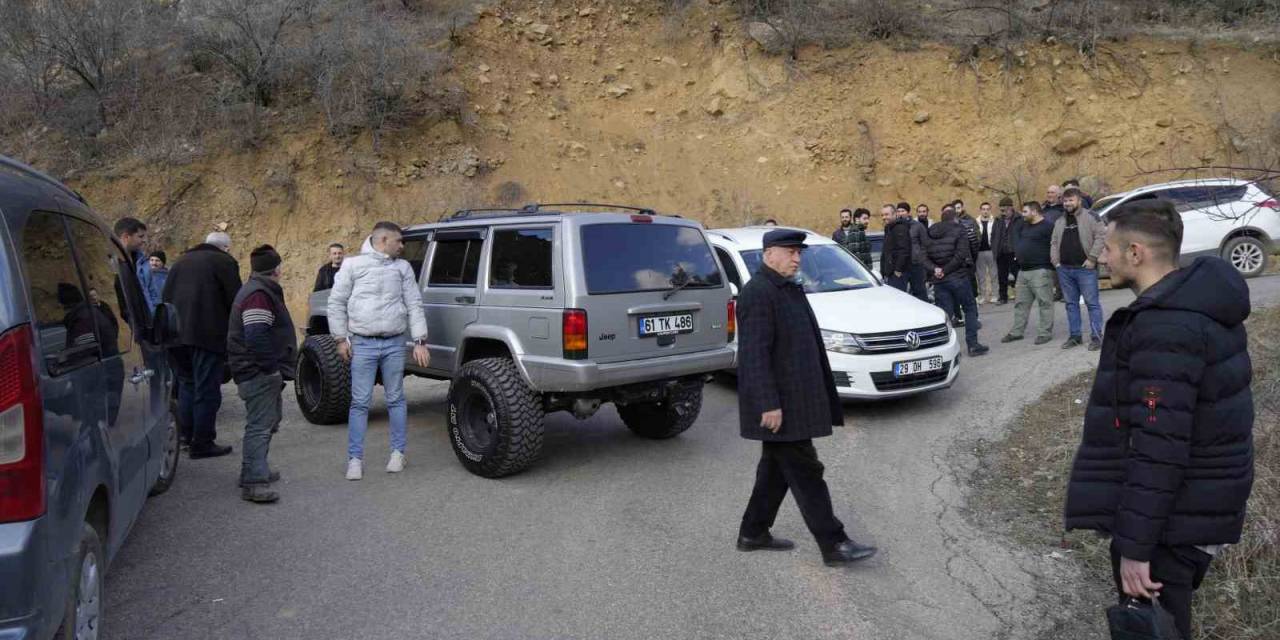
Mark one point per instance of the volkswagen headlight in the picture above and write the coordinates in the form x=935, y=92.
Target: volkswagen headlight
x=841, y=342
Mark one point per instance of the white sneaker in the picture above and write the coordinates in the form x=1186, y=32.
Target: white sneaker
x=396, y=463
x=355, y=469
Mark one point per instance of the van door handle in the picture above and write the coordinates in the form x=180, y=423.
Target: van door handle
x=141, y=376
x=465, y=299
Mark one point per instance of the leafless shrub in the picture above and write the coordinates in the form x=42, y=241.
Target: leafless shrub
x=26, y=58
x=250, y=39
x=371, y=74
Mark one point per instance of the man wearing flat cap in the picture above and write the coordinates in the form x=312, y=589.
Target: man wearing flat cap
x=787, y=397
x=262, y=350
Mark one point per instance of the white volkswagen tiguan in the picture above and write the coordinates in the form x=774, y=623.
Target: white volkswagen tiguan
x=1234, y=219
x=882, y=343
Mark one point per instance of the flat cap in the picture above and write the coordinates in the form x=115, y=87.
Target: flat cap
x=784, y=238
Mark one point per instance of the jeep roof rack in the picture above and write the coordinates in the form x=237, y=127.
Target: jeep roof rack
x=536, y=208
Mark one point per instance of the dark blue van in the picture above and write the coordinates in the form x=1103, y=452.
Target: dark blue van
x=86, y=432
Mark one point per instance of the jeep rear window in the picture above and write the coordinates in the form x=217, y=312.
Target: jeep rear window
x=624, y=258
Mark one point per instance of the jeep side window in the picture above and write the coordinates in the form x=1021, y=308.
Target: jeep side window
x=63, y=314
x=456, y=263
x=521, y=259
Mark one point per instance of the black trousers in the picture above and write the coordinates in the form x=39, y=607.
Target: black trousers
x=1006, y=268
x=1180, y=569
x=794, y=466
x=918, y=286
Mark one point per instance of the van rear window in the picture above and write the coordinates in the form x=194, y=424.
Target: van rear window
x=624, y=258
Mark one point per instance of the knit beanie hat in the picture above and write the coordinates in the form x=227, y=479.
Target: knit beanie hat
x=264, y=259
x=1006, y=201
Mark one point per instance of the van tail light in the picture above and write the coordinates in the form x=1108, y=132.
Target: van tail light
x=21, y=430
x=1271, y=204
x=642, y=219
x=575, y=334
x=733, y=320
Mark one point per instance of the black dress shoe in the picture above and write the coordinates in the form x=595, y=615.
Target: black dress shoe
x=766, y=542
x=847, y=552
x=209, y=451
x=977, y=349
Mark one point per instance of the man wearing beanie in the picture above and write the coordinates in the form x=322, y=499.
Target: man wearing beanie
x=262, y=349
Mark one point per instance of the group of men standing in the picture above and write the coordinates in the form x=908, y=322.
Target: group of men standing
x=962, y=261
x=229, y=329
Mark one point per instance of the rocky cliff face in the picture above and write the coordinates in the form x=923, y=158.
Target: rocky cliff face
x=606, y=102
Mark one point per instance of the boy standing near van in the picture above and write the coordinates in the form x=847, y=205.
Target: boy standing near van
x=262, y=351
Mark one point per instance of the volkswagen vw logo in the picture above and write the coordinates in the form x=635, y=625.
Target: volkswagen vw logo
x=912, y=339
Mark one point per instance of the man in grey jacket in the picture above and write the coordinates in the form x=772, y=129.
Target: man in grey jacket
x=375, y=299
x=1078, y=238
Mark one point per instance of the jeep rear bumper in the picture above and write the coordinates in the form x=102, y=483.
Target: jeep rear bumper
x=554, y=374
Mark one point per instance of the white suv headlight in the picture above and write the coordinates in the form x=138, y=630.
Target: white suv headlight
x=841, y=342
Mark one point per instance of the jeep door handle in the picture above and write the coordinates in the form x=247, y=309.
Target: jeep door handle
x=141, y=376
x=465, y=299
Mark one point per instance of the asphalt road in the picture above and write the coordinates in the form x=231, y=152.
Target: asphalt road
x=609, y=536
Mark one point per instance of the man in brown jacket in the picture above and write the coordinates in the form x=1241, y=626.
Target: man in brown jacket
x=1078, y=238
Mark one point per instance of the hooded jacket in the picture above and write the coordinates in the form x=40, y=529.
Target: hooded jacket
x=947, y=248
x=1166, y=456
x=375, y=295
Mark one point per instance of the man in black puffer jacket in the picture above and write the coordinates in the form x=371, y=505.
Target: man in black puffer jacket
x=1165, y=464
x=948, y=263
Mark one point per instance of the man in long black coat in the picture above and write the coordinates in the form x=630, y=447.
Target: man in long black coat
x=783, y=373
x=1165, y=464
x=202, y=284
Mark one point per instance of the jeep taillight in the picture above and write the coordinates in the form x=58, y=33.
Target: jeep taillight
x=733, y=319
x=1271, y=204
x=21, y=430
x=575, y=334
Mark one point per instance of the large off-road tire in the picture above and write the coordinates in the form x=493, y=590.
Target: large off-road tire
x=1247, y=254
x=170, y=452
x=82, y=617
x=666, y=418
x=495, y=418
x=323, y=383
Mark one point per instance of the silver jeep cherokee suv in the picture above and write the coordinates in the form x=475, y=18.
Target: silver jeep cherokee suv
x=551, y=308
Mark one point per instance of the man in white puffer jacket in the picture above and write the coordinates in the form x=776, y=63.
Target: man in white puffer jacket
x=375, y=300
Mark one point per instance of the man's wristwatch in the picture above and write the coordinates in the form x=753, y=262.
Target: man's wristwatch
x=420, y=342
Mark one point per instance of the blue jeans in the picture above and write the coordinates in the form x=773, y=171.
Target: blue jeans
x=1077, y=281
x=199, y=374
x=368, y=356
x=957, y=293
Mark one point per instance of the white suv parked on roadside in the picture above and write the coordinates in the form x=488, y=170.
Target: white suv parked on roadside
x=882, y=343
x=1235, y=219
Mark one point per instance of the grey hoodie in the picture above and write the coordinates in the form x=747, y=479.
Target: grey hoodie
x=376, y=295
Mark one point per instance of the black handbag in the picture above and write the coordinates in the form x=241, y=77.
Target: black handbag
x=1136, y=619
